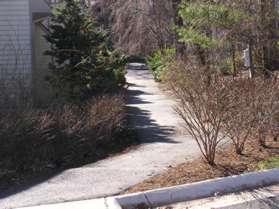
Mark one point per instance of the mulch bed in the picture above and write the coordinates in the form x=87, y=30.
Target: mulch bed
x=227, y=163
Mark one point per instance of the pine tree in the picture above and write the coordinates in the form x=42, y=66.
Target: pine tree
x=204, y=21
x=84, y=62
x=230, y=26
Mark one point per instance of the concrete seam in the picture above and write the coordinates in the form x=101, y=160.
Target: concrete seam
x=106, y=203
x=147, y=200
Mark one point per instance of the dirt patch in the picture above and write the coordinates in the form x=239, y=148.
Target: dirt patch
x=227, y=163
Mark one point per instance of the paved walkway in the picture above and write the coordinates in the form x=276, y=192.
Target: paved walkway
x=151, y=112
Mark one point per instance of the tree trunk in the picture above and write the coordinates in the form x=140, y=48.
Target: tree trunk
x=251, y=67
x=262, y=138
x=234, y=61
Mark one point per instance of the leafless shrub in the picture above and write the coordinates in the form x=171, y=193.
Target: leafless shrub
x=254, y=106
x=110, y=117
x=239, y=121
x=34, y=138
x=235, y=107
x=267, y=108
x=201, y=105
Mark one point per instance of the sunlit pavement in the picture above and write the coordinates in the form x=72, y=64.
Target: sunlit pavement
x=263, y=198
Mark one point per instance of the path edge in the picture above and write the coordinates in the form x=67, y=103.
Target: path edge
x=199, y=190
x=175, y=194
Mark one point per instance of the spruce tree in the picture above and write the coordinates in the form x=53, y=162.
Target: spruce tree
x=84, y=62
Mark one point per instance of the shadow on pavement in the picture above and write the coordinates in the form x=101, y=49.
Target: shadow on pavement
x=147, y=129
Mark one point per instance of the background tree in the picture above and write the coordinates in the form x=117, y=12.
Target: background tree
x=138, y=26
x=84, y=61
x=208, y=27
x=220, y=31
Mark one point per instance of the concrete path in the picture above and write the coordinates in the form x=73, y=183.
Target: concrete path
x=151, y=112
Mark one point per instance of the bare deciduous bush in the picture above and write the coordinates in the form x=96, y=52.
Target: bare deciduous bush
x=227, y=106
x=239, y=121
x=110, y=117
x=255, y=106
x=60, y=136
x=201, y=105
x=266, y=102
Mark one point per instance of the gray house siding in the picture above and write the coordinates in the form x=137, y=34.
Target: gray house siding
x=22, y=64
x=15, y=48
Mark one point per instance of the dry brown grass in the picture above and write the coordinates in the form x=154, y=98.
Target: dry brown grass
x=227, y=163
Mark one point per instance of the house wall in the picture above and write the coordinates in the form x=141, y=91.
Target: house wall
x=15, y=48
x=41, y=88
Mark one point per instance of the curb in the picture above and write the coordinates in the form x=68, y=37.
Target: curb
x=175, y=194
x=199, y=190
x=112, y=203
